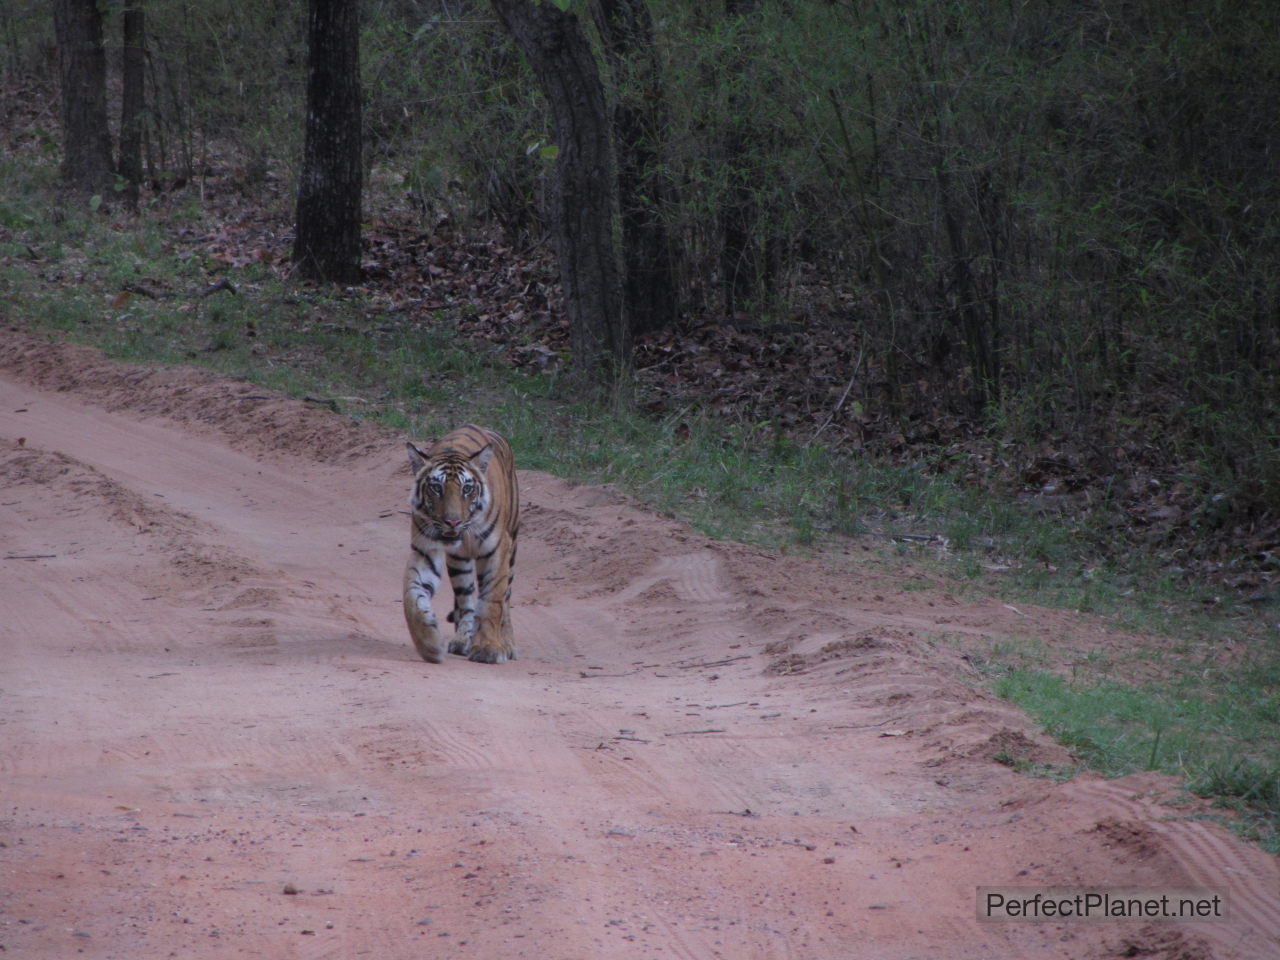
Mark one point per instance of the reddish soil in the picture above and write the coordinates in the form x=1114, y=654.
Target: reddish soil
x=217, y=740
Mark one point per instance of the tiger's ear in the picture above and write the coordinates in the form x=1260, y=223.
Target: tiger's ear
x=482, y=458
x=417, y=458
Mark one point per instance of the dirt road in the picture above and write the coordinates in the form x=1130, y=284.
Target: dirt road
x=216, y=740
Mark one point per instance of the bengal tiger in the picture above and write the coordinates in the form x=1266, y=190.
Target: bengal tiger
x=466, y=513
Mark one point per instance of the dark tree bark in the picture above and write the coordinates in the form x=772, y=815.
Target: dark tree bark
x=639, y=126
x=82, y=66
x=582, y=196
x=327, y=240
x=133, y=102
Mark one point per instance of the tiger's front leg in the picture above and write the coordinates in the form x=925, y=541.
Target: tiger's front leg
x=494, y=639
x=421, y=578
x=463, y=617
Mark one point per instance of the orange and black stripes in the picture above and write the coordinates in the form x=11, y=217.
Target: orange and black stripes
x=466, y=514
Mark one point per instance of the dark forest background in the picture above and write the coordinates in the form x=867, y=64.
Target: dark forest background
x=1035, y=241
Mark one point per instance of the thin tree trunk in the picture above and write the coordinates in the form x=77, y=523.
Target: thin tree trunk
x=639, y=124
x=327, y=242
x=973, y=323
x=744, y=270
x=82, y=65
x=133, y=102
x=582, y=196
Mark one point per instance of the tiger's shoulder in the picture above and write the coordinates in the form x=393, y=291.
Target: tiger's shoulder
x=466, y=441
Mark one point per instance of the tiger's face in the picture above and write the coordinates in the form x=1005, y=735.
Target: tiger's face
x=448, y=491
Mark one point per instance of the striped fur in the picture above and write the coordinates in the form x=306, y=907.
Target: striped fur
x=466, y=513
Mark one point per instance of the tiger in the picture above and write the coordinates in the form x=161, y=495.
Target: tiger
x=465, y=509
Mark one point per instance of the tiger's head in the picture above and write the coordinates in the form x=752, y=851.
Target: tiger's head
x=448, y=489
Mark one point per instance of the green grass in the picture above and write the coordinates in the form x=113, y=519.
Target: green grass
x=1214, y=725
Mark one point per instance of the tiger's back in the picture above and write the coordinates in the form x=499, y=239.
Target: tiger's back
x=465, y=518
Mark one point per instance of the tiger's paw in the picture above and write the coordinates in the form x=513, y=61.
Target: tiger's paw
x=463, y=634
x=491, y=655
x=427, y=640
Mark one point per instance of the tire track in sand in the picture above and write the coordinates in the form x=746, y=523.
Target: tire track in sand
x=1206, y=855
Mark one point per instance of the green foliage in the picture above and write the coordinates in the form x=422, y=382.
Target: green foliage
x=1062, y=218
x=461, y=149
x=224, y=81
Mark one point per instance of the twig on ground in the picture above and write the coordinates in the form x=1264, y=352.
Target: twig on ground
x=689, y=733
x=714, y=663
x=857, y=365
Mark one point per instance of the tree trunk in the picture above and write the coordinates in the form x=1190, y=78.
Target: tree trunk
x=327, y=241
x=582, y=196
x=82, y=65
x=133, y=102
x=639, y=126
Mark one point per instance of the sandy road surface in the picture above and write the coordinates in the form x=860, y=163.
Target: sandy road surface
x=216, y=741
